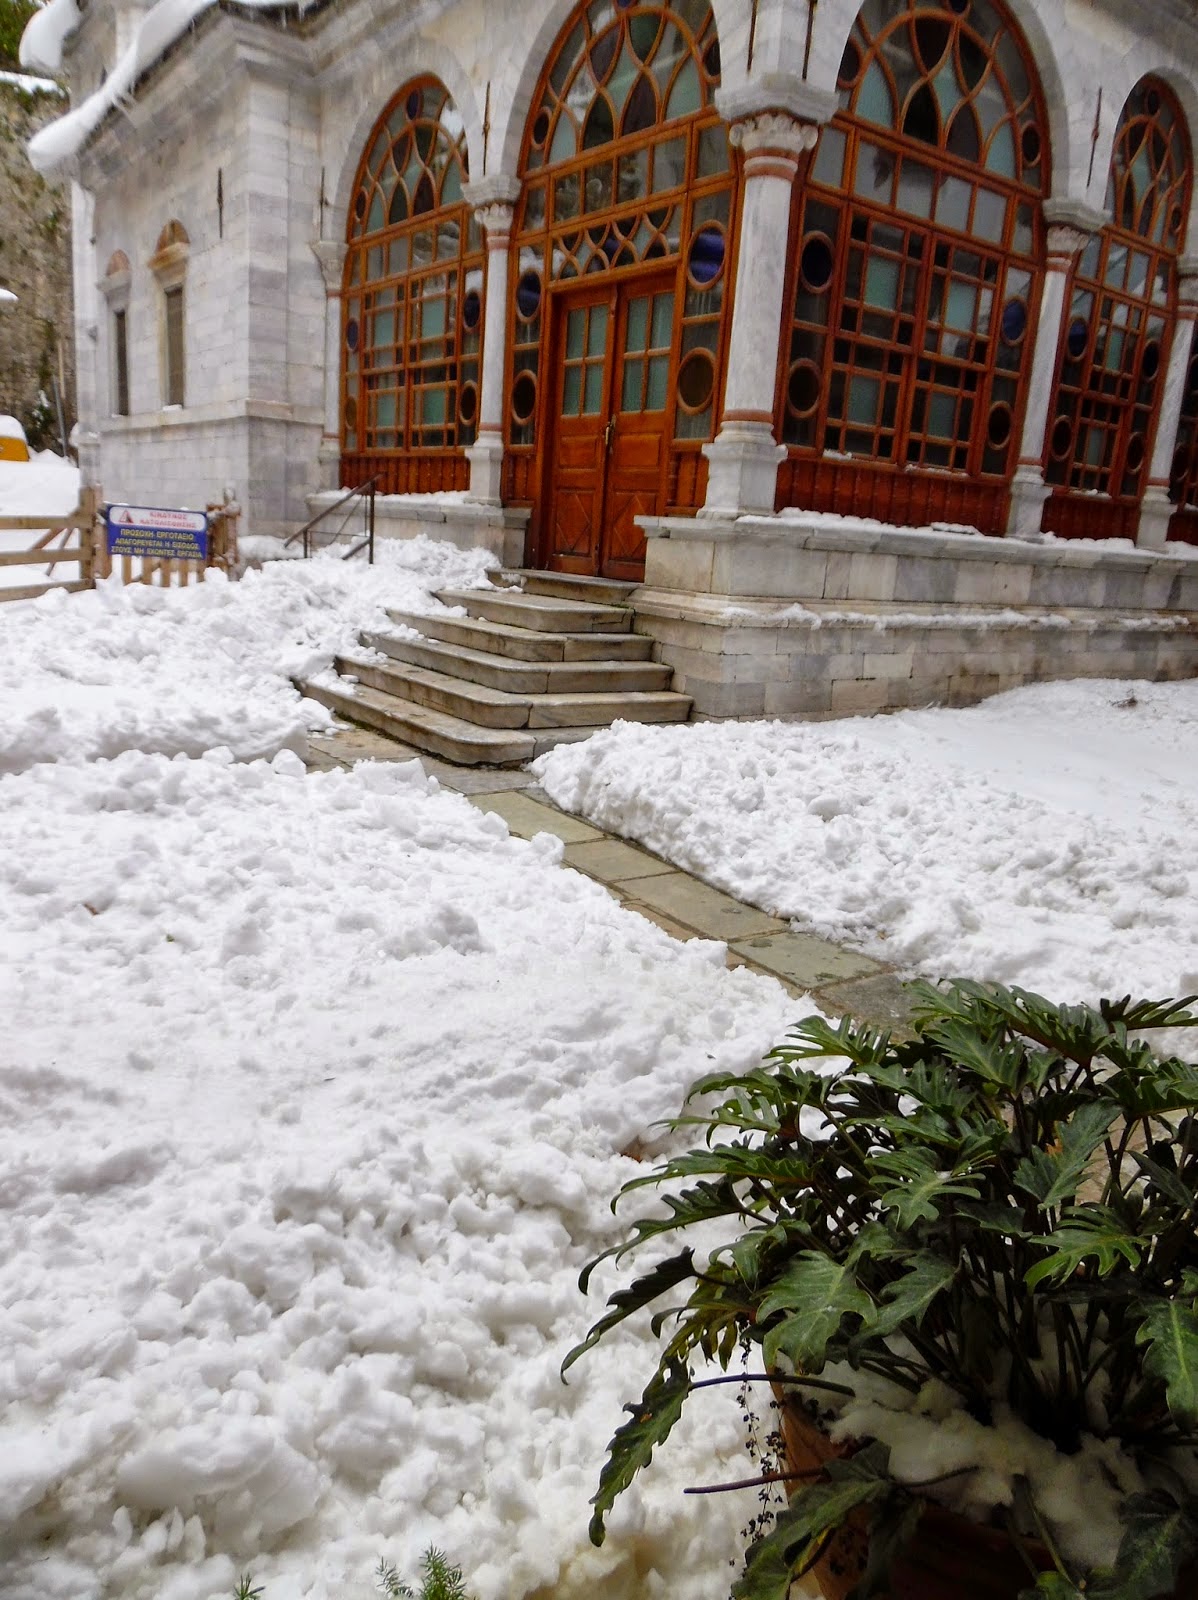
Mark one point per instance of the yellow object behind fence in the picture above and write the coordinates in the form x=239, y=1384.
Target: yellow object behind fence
x=13, y=449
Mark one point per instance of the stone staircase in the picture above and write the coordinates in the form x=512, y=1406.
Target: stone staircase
x=539, y=659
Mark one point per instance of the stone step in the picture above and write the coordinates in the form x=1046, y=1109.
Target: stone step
x=527, y=644
x=571, y=586
x=449, y=737
x=493, y=708
x=522, y=677
x=541, y=612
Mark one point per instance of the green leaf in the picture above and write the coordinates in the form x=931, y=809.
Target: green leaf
x=632, y=1446
x=908, y=1299
x=920, y=1184
x=1170, y=1332
x=998, y=1062
x=1054, y=1176
x=1160, y=1536
x=1056, y=1586
x=817, y=1293
x=1087, y=1231
x=814, y=1512
x=643, y=1292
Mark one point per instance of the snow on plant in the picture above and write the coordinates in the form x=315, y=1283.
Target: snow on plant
x=983, y=1235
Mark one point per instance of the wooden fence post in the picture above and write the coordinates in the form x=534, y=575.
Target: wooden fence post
x=89, y=535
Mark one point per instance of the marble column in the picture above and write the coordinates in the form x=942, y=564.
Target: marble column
x=331, y=257
x=1156, y=507
x=1067, y=238
x=743, y=458
x=494, y=205
x=89, y=378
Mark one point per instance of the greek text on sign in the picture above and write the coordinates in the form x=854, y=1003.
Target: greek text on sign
x=157, y=532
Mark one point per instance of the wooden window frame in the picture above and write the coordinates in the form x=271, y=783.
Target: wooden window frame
x=412, y=303
x=115, y=287
x=169, y=266
x=914, y=360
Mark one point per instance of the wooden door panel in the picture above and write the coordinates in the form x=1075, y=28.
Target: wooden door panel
x=582, y=349
x=636, y=458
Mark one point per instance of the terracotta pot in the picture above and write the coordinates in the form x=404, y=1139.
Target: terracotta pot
x=950, y=1556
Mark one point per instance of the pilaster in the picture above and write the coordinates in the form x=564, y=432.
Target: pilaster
x=494, y=200
x=330, y=254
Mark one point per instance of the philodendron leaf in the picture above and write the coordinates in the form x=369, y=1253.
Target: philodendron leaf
x=1160, y=1536
x=1087, y=1231
x=816, y=1293
x=919, y=1189
x=814, y=1512
x=1170, y=1332
x=632, y=1446
x=1055, y=1586
x=908, y=1299
x=627, y=1301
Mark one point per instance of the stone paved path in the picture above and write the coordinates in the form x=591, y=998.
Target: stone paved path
x=839, y=980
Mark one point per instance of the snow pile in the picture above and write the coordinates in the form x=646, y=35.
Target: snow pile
x=170, y=670
x=43, y=485
x=1048, y=837
x=314, y=1095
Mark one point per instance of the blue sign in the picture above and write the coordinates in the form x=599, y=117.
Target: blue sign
x=160, y=534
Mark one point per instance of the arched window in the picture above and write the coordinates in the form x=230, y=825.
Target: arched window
x=169, y=266
x=627, y=171
x=412, y=319
x=917, y=272
x=1114, y=342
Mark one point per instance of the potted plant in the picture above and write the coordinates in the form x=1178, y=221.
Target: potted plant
x=967, y=1262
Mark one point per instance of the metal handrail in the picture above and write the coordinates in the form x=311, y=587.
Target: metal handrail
x=365, y=490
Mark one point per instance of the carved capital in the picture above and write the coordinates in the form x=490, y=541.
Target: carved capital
x=496, y=219
x=773, y=133
x=1064, y=240
x=331, y=256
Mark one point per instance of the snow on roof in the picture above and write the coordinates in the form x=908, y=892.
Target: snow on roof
x=10, y=428
x=42, y=43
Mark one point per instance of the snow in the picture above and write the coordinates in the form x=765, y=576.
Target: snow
x=43, y=485
x=316, y=1090
x=10, y=428
x=1048, y=837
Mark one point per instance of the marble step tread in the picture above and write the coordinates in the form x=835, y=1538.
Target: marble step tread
x=496, y=709
x=521, y=677
x=545, y=613
x=526, y=644
x=570, y=586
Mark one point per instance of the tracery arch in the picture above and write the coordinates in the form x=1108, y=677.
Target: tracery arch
x=412, y=301
x=626, y=163
x=1117, y=330
x=917, y=270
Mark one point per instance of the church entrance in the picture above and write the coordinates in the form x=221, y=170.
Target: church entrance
x=607, y=453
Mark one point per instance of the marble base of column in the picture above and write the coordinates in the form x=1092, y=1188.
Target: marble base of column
x=328, y=459
x=742, y=471
x=1029, y=492
x=486, y=471
x=1155, y=510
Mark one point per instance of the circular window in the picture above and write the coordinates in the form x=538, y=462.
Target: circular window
x=351, y=334
x=528, y=295
x=1150, y=363
x=1029, y=144
x=468, y=403
x=816, y=262
x=524, y=397
x=351, y=414
x=472, y=308
x=1014, y=321
x=998, y=425
x=850, y=64
x=1075, y=339
x=802, y=387
x=1061, y=441
x=696, y=380
x=540, y=128
x=1134, y=459
x=360, y=204
x=706, y=259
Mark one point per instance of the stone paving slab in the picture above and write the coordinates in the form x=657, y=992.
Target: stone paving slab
x=525, y=817
x=612, y=861
x=708, y=911
x=881, y=1000
x=805, y=960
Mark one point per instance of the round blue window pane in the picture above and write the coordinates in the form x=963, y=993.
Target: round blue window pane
x=1150, y=365
x=351, y=334
x=1014, y=321
x=816, y=262
x=707, y=255
x=528, y=295
x=471, y=308
x=1075, y=339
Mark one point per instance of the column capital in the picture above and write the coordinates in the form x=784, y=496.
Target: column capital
x=781, y=92
x=496, y=219
x=1064, y=240
x=497, y=188
x=773, y=133
x=1060, y=209
x=331, y=255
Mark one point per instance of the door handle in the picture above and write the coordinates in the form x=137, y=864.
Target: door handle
x=607, y=433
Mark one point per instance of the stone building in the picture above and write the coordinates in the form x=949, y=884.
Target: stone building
x=765, y=307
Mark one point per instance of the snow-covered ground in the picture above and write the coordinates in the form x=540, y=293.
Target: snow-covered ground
x=44, y=485
x=314, y=1093
x=1048, y=837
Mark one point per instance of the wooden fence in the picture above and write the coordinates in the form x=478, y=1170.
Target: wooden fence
x=80, y=538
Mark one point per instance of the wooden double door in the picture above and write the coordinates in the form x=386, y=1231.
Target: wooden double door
x=607, y=438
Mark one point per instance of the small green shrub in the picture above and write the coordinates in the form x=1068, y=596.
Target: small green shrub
x=439, y=1580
